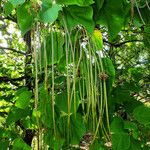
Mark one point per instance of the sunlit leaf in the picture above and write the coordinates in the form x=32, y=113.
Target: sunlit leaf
x=8, y=7
x=16, y=2
x=19, y=144
x=75, y=2
x=97, y=39
x=51, y=14
x=23, y=99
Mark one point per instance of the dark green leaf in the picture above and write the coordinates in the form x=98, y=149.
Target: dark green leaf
x=75, y=2
x=113, y=14
x=62, y=102
x=78, y=128
x=109, y=67
x=45, y=108
x=4, y=145
x=142, y=115
x=132, y=128
x=147, y=36
x=135, y=145
x=75, y=15
x=58, y=40
x=8, y=7
x=110, y=71
x=16, y=113
x=51, y=14
x=120, y=141
x=24, y=17
x=117, y=125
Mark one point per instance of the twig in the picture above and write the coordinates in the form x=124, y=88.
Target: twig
x=122, y=43
x=11, y=80
x=12, y=49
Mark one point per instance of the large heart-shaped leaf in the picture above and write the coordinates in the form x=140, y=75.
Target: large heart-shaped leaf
x=113, y=15
x=75, y=15
x=16, y=113
x=50, y=15
x=120, y=141
x=23, y=99
x=24, y=18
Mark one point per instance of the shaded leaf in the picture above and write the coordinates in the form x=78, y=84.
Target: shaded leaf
x=117, y=125
x=120, y=141
x=75, y=15
x=62, y=102
x=16, y=113
x=113, y=15
x=77, y=127
x=24, y=18
x=58, y=40
x=142, y=115
x=4, y=145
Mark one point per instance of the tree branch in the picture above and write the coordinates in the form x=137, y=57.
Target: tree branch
x=122, y=43
x=11, y=80
x=13, y=50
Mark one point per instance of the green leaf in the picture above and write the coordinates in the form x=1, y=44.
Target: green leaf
x=97, y=39
x=113, y=15
x=133, y=129
x=75, y=2
x=77, y=127
x=142, y=115
x=109, y=67
x=15, y=114
x=24, y=17
x=19, y=144
x=120, y=141
x=110, y=71
x=4, y=145
x=23, y=99
x=45, y=109
x=8, y=7
x=99, y=4
x=51, y=14
x=62, y=102
x=58, y=40
x=16, y=2
x=135, y=145
x=75, y=15
x=147, y=36
x=117, y=125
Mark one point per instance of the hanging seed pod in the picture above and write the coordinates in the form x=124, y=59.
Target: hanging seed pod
x=103, y=76
x=86, y=141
